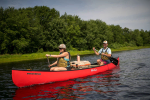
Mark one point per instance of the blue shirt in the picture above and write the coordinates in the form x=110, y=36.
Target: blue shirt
x=108, y=50
x=68, y=63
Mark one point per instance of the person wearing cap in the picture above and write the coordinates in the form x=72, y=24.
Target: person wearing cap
x=105, y=51
x=63, y=61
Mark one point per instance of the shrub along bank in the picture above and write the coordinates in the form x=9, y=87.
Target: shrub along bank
x=6, y=58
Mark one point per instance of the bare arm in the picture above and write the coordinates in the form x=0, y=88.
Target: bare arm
x=95, y=51
x=58, y=56
x=53, y=64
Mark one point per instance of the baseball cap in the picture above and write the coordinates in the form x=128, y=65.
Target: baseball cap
x=105, y=42
x=62, y=46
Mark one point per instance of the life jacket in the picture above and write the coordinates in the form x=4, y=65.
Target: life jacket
x=61, y=62
x=104, y=57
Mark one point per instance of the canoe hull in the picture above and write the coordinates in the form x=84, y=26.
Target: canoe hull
x=22, y=78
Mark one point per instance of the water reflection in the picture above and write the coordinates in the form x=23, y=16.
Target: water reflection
x=131, y=82
x=101, y=83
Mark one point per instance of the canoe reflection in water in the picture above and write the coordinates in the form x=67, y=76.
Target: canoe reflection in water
x=71, y=89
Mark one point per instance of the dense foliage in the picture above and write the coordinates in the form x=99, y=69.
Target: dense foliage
x=39, y=29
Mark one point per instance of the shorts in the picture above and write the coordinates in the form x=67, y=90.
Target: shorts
x=106, y=61
x=68, y=68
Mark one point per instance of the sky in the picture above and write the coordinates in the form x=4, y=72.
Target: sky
x=133, y=14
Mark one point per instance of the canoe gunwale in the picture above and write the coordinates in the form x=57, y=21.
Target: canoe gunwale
x=62, y=71
x=25, y=77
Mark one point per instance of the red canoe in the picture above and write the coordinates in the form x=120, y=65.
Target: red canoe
x=22, y=78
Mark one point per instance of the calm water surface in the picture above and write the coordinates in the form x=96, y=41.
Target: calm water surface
x=129, y=81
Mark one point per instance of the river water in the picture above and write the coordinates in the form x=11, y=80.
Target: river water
x=129, y=81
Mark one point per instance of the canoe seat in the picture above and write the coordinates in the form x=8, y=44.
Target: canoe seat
x=80, y=64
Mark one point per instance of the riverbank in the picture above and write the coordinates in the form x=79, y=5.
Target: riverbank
x=6, y=58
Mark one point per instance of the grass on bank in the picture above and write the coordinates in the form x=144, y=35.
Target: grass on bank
x=34, y=56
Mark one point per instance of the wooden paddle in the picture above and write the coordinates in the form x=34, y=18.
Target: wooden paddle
x=48, y=61
x=113, y=60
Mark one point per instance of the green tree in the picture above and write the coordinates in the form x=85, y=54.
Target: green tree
x=39, y=28
x=127, y=34
x=117, y=34
x=137, y=38
x=145, y=36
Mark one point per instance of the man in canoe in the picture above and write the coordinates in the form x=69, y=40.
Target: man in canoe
x=105, y=51
x=63, y=61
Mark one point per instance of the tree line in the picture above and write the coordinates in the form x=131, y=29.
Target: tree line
x=40, y=28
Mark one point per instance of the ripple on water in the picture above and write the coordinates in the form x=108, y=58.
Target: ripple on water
x=130, y=81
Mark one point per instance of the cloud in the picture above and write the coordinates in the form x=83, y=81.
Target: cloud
x=118, y=12
x=134, y=14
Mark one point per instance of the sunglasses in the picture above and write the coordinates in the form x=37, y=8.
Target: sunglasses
x=60, y=48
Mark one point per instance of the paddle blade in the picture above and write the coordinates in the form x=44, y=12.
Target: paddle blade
x=113, y=60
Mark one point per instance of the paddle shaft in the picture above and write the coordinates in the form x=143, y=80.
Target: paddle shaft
x=48, y=61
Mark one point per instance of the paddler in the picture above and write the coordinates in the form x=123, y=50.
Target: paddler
x=105, y=51
x=63, y=59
